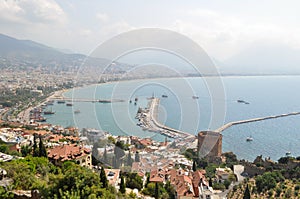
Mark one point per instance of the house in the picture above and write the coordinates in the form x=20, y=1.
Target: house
x=223, y=173
x=62, y=153
x=113, y=177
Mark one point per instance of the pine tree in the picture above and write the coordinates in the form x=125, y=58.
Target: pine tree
x=194, y=166
x=247, y=193
x=156, y=191
x=137, y=157
x=122, y=185
x=103, y=178
x=42, y=148
x=35, y=148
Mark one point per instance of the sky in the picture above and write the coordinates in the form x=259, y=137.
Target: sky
x=223, y=28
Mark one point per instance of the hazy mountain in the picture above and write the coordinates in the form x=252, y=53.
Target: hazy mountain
x=264, y=58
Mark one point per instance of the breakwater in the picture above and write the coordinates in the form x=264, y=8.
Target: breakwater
x=148, y=121
x=224, y=127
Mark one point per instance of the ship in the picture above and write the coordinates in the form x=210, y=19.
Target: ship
x=49, y=112
x=288, y=153
x=165, y=96
x=69, y=104
x=249, y=139
x=195, y=97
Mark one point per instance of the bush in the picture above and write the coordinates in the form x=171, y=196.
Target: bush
x=219, y=186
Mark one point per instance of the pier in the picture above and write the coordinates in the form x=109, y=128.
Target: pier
x=86, y=100
x=148, y=121
x=224, y=127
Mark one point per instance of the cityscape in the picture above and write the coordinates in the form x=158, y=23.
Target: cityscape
x=134, y=108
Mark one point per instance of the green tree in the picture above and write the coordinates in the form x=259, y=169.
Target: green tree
x=25, y=150
x=122, y=185
x=156, y=191
x=35, y=147
x=42, y=148
x=103, y=178
x=133, y=180
x=194, y=166
x=247, y=193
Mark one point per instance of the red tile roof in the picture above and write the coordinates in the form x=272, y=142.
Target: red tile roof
x=67, y=152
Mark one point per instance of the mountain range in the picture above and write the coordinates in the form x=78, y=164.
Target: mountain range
x=259, y=58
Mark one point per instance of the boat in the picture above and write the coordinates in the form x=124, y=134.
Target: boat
x=288, y=153
x=164, y=96
x=49, y=112
x=240, y=101
x=61, y=101
x=69, y=104
x=136, y=99
x=195, y=97
x=130, y=101
x=40, y=119
x=249, y=139
x=77, y=111
x=104, y=101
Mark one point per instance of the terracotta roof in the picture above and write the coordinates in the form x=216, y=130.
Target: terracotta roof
x=67, y=152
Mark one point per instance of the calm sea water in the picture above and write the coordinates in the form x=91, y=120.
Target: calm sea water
x=267, y=95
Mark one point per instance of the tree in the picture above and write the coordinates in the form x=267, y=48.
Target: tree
x=42, y=148
x=137, y=157
x=122, y=185
x=25, y=150
x=194, y=166
x=35, y=148
x=156, y=191
x=247, y=193
x=103, y=178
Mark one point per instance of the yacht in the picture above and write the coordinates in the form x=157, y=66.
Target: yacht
x=249, y=139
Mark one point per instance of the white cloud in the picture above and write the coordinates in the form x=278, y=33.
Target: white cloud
x=102, y=17
x=31, y=12
x=223, y=35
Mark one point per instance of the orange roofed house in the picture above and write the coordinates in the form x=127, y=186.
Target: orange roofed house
x=79, y=154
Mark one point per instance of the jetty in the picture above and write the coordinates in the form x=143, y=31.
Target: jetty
x=224, y=127
x=86, y=100
x=148, y=121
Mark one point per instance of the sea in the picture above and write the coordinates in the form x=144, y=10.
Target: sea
x=195, y=104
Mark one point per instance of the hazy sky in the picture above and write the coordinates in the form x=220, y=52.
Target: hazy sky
x=222, y=28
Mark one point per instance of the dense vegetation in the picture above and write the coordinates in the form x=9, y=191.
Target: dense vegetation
x=68, y=181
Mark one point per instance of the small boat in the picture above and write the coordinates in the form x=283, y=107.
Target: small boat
x=61, y=101
x=164, y=96
x=69, y=104
x=77, y=111
x=288, y=153
x=49, y=112
x=40, y=119
x=104, y=101
x=240, y=101
x=195, y=97
x=135, y=103
x=130, y=101
x=249, y=139
x=136, y=99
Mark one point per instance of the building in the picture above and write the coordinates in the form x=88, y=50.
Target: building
x=113, y=177
x=209, y=144
x=79, y=154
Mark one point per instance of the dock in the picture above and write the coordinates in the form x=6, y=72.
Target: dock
x=224, y=127
x=86, y=100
